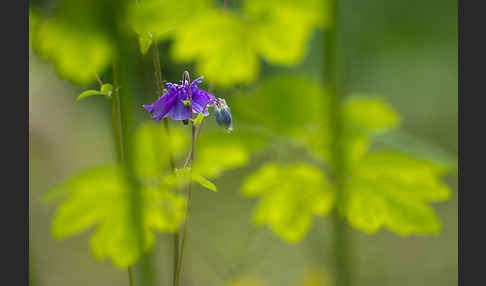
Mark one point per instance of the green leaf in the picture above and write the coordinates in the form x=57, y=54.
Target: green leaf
x=187, y=174
x=287, y=103
x=162, y=18
x=363, y=119
x=392, y=190
x=281, y=34
x=231, y=42
x=100, y=197
x=153, y=149
x=290, y=196
x=199, y=118
x=223, y=51
x=106, y=89
x=218, y=152
x=145, y=41
x=369, y=115
x=412, y=145
x=88, y=93
x=77, y=54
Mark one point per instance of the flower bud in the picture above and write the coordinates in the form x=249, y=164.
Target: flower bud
x=222, y=114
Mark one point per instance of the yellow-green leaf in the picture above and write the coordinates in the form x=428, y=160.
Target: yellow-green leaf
x=189, y=175
x=285, y=104
x=106, y=89
x=226, y=45
x=100, y=197
x=88, y=93
x=369, y=115
x=363, y=118
x=162, y=18
x=281, y=29
x=290, y=196
x=392, y=190
x=218, y=152
x=77, y=54
x=220, y=43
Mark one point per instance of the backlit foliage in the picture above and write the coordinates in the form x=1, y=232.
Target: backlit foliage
x=384, y=189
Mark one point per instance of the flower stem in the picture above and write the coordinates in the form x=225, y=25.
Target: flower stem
x=333, y=65
x=130, y=276
x=189, y=191
x=116, y=116
x=99, y=80
x=188, y=163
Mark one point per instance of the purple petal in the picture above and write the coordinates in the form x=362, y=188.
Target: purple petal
x=180, y=111
x=199, y=100
x=196, y=82
x=161, y=108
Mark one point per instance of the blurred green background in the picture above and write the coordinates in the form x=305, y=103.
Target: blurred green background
x=405, y=51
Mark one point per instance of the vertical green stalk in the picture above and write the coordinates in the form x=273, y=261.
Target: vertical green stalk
x=118, y=135
x=117, y=130
x=124, y=125
x=158, y=76
x=130, y=276
x=116, y=116
x=333, y=71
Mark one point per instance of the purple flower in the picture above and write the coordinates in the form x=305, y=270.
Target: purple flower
x=173, y=103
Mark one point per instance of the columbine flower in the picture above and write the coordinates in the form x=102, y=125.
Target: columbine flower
x=222, y=114
x=173, y=103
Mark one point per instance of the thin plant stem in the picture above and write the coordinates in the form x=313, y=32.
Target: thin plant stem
x=117, y=128
x=157, y=67
x=188, y=163
x=333, y=65
x=130, y=276
x=116, y=116
x=99, y=79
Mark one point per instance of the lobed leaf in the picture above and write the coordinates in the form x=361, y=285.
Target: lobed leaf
x=391, y=190
x=218, y=152
x=163, y=18
x=290, y=196
x=363, y=119
x=284, y=104
x=280, y=29
x=225, y=41
x=77, y=54
x=100, y=198
x=220, y=44
x=369, y=115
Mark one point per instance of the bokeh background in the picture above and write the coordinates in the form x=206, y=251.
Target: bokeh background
x=403, y=50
